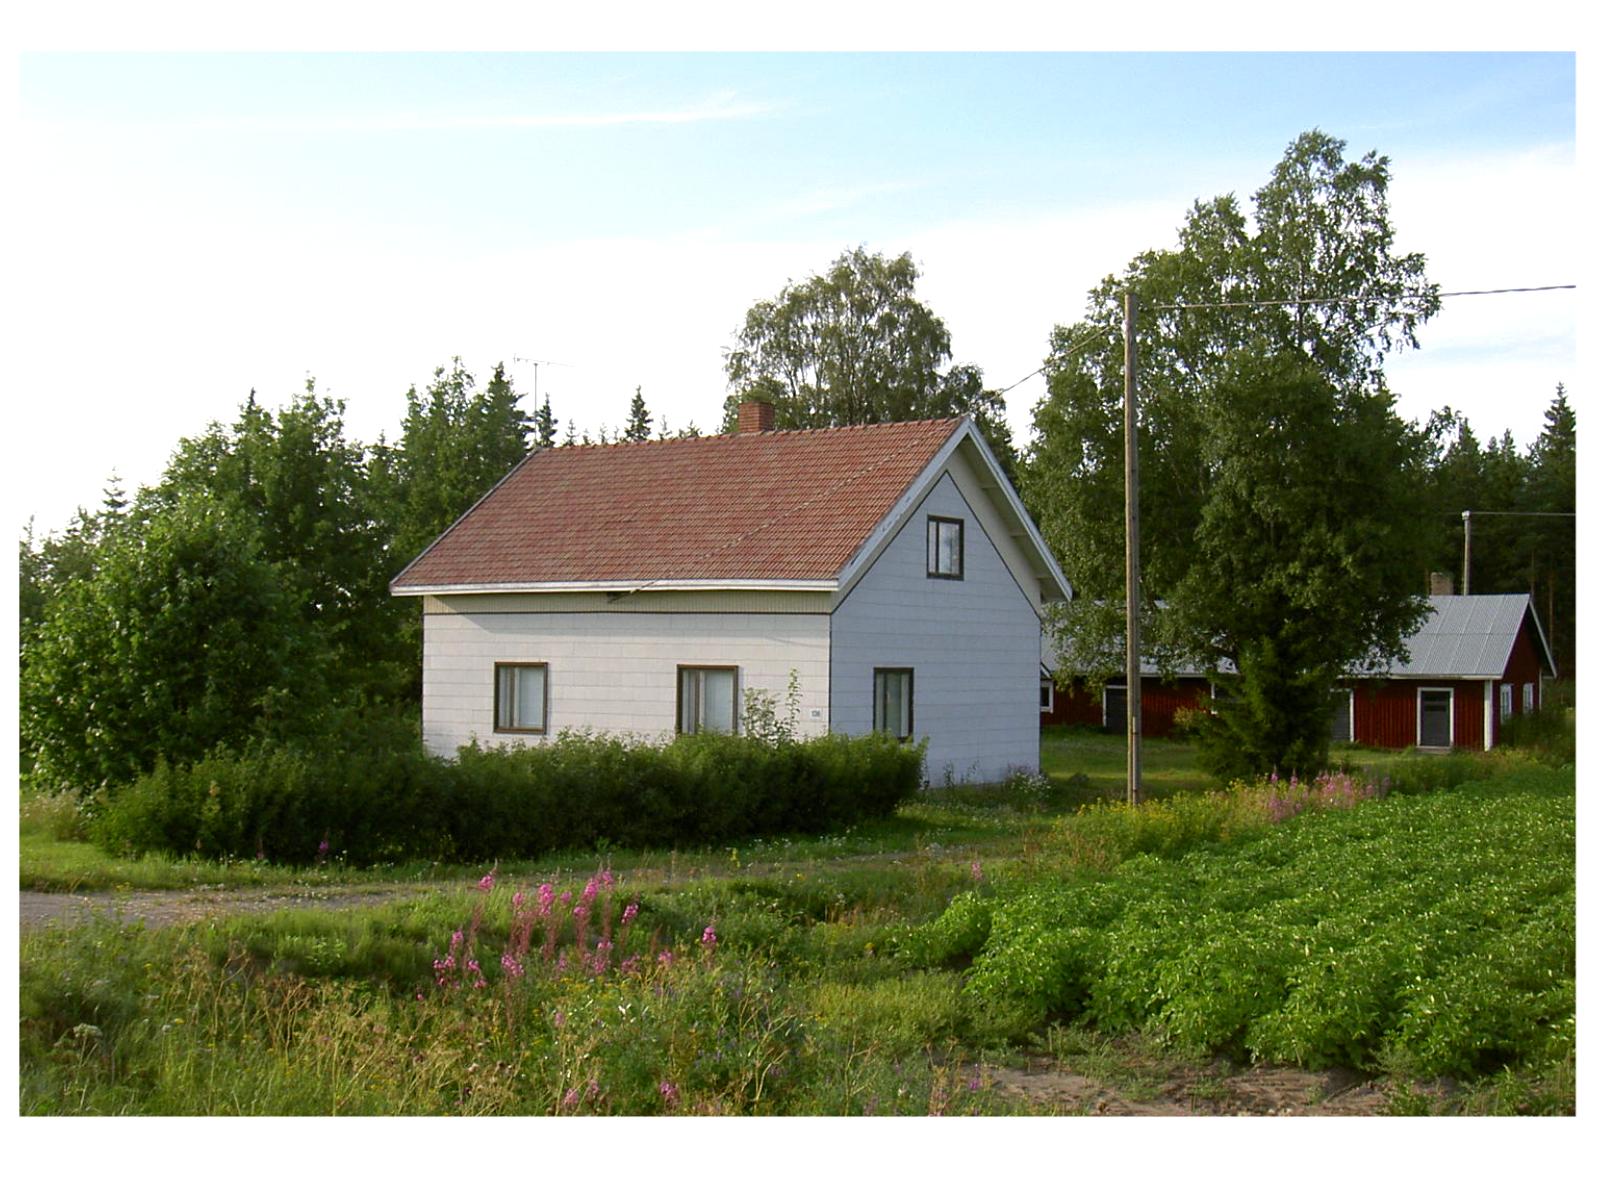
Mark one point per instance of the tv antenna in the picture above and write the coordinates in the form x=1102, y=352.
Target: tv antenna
x=537, y=363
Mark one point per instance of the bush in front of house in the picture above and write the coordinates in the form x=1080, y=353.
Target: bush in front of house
x=378, y=799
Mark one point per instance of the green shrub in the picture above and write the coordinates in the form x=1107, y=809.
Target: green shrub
x=1550, y=733
x=380, y=798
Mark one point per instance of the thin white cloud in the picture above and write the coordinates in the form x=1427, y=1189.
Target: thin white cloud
x=720, y=106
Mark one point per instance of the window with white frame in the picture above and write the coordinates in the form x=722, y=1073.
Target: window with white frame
x=1505, y=700
x=521, y=697
x=946, y=547
x=892, y=701
x=1527, y=697
x=707, y=699
x=1047, y=695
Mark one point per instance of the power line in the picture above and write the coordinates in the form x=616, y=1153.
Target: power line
x=1073, y=349
x=1555, y=287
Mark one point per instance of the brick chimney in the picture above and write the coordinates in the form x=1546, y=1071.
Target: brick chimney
x=1441, y=583
x=756, y=416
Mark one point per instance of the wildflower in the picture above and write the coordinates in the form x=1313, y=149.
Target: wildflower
x=665, y=958
x=570, y=1099
x=977, y=871
x=709, y=937
x=559, y=1020
x=591, y=890
x=669, y=1093
x=547, y=896
x=517, y=901
x=486, y=883
x=607, y=880
x=455, y=939
x=511, y=965
x=566, y=898
x=592, y=1092
x=629, y=913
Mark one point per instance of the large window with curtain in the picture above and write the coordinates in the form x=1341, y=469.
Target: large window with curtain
x=707, y=699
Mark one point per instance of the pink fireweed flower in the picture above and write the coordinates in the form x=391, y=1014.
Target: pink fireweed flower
x=547, y=897
x=592, y=1092
x=591, y=890
x=570, y=1099
x=511, y=965
x=579, y=910
x=559, y=1020
x=977, y=871
x=455, y=939
x=669, y=1092
x=486, y=883
x=607, y=880
x=518, y=900
x=709, y=937
x=629, y=913
x=565, y=897
x=665, y=958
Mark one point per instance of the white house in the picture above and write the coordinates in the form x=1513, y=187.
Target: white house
x=647, y=588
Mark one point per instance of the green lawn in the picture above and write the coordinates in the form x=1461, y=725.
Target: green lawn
x=1102, y=760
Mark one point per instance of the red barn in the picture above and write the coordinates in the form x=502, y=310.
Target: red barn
x=1476, y=661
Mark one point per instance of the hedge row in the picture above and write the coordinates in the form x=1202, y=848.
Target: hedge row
x=372, y=803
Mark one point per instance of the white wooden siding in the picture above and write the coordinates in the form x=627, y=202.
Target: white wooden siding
x=611, y=672
x=973, y=643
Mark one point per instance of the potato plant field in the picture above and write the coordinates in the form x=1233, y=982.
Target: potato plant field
x=1433, y=934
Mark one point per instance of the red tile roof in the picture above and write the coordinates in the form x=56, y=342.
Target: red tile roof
x=791, y=505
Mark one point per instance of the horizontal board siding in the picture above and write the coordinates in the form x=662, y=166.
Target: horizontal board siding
x=613, y=673
x=973, y=644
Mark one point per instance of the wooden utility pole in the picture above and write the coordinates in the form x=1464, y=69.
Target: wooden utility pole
x=1130, y=521
x=1466, y=554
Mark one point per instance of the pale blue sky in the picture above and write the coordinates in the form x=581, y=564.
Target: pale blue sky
x=201, y=224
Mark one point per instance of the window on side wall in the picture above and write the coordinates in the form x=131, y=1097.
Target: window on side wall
x=892, y=701
x=1505, y=700
x=521, y=697
x=707, y=699
x=1047, y=695
x=946, y=547
x=1527, y=697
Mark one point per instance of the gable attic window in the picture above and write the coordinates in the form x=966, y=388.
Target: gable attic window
x=706, y=699
x=946, y=543
x=521, y=696
x=892, y=701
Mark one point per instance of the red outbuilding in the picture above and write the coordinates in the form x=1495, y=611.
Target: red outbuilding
x=1475, y=662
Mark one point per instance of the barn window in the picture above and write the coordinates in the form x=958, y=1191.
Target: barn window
x=1505, y=700
x=1435, y=718
x=892, y=701
x=1527, y=697
x=706, y=699
x=521, y=696
x=946, y=544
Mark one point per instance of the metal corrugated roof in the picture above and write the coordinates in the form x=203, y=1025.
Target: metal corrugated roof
x=1464, y=636
x=1469, y=637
